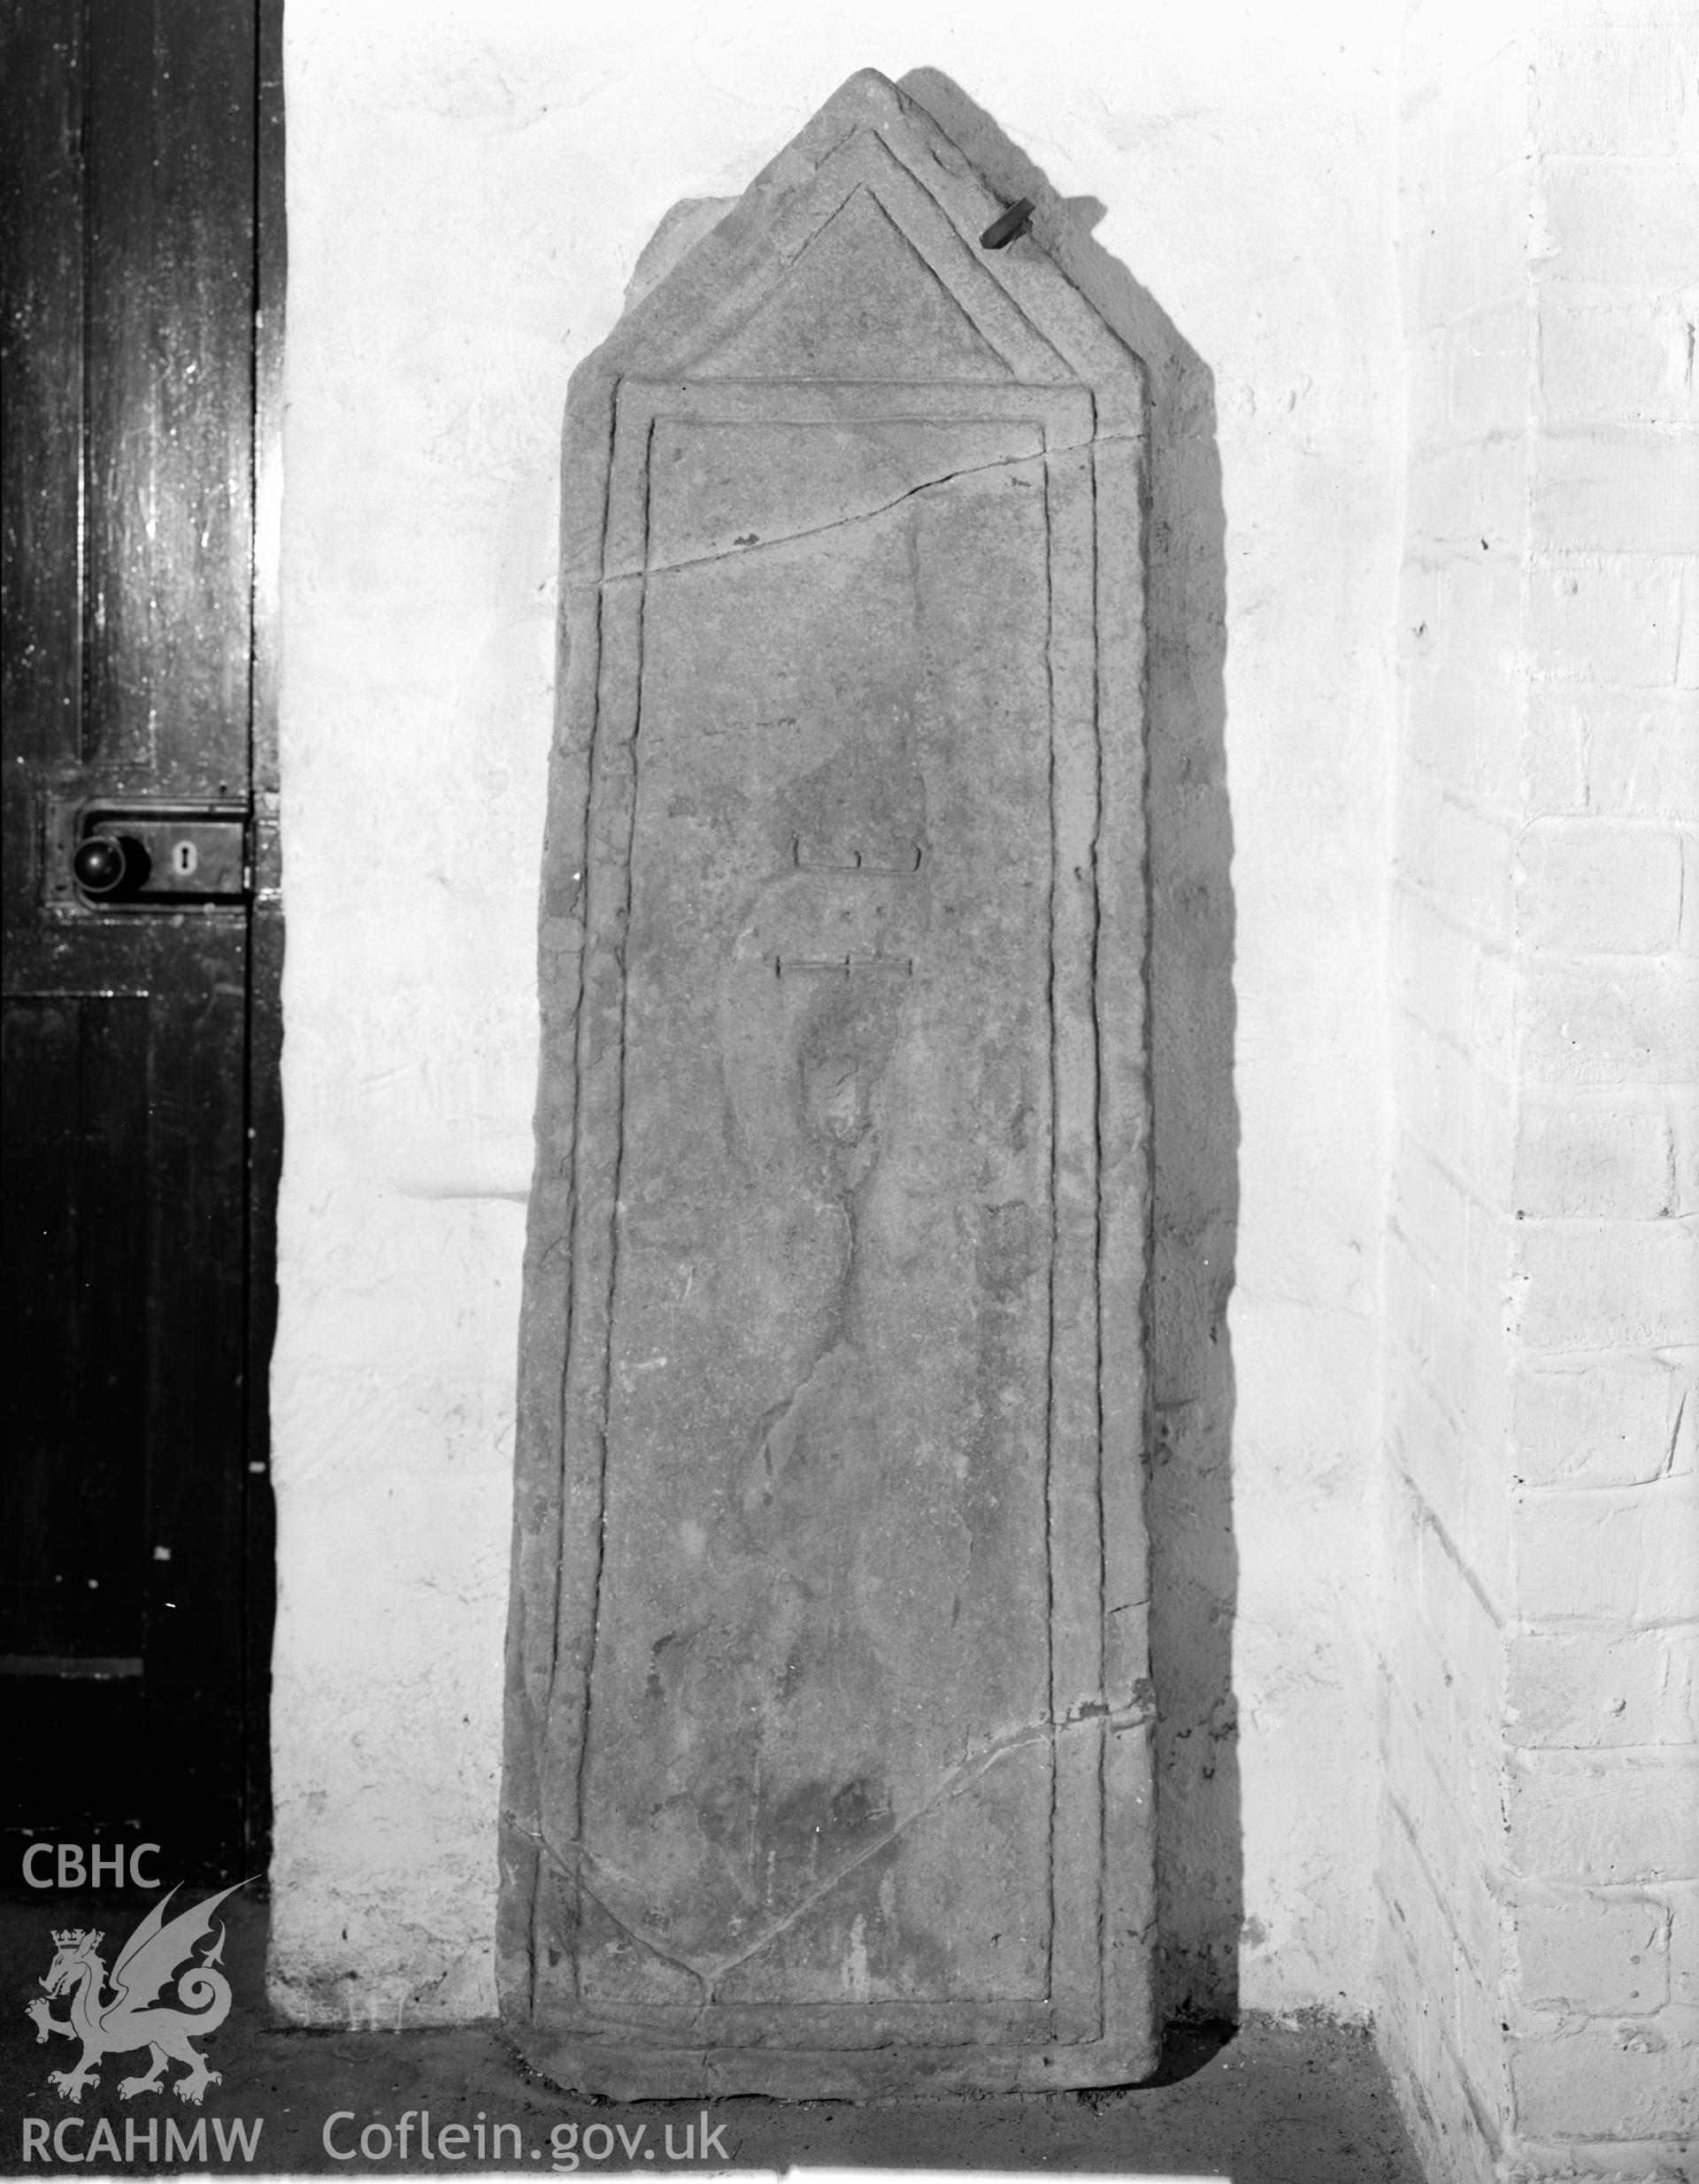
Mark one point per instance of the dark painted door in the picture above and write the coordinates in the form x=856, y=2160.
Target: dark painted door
x=141, y=163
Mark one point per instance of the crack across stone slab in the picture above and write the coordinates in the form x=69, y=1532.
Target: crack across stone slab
x=861, y=515
x=1093, y=1713
x=573, y=1859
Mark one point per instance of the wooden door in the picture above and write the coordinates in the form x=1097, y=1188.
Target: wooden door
x=140, y=183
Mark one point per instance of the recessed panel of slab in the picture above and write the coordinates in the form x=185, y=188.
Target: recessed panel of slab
x=826, y=1571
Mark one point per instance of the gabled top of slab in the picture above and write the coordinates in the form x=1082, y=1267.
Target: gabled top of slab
x=859, y=301
x=855, y=255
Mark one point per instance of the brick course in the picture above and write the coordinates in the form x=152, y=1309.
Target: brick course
x=1595, y=1956
x=1569, y=1689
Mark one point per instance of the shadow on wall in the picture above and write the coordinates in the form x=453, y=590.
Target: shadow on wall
x=1194, y=1567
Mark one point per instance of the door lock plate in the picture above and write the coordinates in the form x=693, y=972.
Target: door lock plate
x=140, y=854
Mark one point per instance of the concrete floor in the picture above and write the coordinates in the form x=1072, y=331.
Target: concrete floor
x=1273, y=2104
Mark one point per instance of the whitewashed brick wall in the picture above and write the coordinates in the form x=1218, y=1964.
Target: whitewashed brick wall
x=1540, y=1875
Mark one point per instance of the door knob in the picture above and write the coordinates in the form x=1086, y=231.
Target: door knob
x=105, y=864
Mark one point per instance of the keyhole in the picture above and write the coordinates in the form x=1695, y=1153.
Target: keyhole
x=184, y=857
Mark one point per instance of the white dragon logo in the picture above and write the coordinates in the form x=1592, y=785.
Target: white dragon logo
x=135, y=2017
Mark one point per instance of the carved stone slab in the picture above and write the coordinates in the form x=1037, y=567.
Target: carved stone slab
x=828, y=1720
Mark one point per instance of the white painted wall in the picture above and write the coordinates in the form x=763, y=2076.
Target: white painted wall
x=470, y=182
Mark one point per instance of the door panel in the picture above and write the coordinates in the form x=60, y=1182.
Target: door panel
x=76, y=1144
x=138, y=135
x=168, y=252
